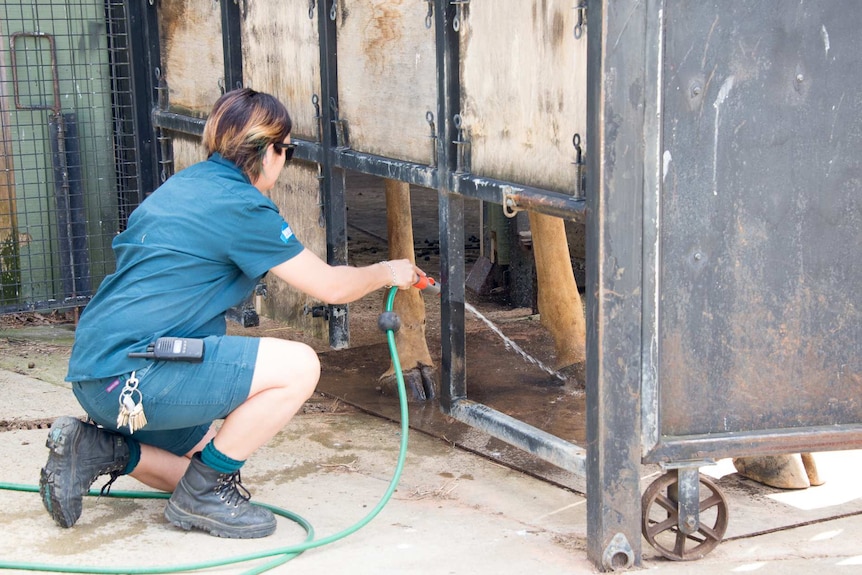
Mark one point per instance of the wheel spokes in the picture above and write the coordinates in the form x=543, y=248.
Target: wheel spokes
x=669, y=505
x=665, y=525
x=712, y=501
x=664, y=533
x=709, y=533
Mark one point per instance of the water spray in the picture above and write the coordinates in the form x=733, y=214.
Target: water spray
x=431, y=287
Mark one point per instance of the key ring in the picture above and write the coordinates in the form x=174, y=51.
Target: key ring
x=128, y=399
x=130, y=388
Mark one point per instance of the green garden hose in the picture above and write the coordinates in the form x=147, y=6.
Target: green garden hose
x=277, y=556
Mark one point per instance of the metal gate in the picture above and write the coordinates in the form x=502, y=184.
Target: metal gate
x=728, y=322
x=68, y=154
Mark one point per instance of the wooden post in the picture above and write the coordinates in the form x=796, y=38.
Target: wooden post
x=559, y=301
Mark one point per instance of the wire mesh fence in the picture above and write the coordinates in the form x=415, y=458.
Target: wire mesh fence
x=68, y=175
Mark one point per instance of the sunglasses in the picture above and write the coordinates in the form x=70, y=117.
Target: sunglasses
x=288, y=150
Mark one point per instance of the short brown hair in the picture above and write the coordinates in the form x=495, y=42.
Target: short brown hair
x=242, y=124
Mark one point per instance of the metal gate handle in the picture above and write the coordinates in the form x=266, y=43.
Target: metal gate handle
x=55, y=78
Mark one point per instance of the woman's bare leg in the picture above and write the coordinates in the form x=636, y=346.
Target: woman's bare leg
x=162, y=469
x=285, y=375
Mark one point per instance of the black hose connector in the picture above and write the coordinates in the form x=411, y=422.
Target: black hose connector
x=389, y=320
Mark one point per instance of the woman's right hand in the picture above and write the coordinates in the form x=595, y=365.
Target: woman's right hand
x=401, y=273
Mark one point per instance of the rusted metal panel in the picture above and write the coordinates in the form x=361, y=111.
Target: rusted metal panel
x=523, y=90
x=760, y=211
x=387, y=78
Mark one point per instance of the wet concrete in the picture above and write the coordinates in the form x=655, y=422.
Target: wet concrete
x=495, y=377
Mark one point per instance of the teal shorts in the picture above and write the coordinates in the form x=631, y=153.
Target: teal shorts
x=181, y=399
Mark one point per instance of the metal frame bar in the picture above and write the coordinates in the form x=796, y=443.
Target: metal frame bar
x=451, y=210
x=46, y=305
x=55, y=80
x=231, y=33
x=614, y=196
x=463, y=184
x=545, y=446
x=720, y=445
x=332, y=176
x=651, y=214
x=245, y=313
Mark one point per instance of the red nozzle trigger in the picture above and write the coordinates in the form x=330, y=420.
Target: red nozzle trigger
x=428, y=285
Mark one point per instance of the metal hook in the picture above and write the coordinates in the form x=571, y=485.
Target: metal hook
x=510, y=205
x=459, y=13
x=579, y=166
x=576, y=142
x=429, y=117
x=315, y=101
x=582, y=21
x=429, y=18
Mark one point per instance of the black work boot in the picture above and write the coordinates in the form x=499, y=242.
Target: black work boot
x=217, y=502
x=79, y=453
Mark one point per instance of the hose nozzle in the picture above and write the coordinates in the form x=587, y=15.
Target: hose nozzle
x=428, y=285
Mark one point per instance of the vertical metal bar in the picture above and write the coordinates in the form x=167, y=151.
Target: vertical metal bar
x=652, y=216
x=615, y=115
x=71, y=217
x=231, y=34
x=145, y=61
x=332, y=177
x=451, y=206
x=60, y=162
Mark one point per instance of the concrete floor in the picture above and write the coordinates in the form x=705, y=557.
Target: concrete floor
x=453, y=512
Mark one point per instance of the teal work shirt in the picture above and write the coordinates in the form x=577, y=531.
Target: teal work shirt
x=194, y=248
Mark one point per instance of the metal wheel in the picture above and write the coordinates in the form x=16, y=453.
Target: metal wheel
x=660, y=521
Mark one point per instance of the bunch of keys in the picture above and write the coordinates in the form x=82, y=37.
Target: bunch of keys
x=131, y=406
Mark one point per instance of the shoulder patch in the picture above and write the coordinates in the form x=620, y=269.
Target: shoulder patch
x=286, y=232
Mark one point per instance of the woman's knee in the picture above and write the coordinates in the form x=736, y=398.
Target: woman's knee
x=286, y=364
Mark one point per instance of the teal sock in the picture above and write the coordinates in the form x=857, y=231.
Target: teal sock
x=214, y=458
x=134, y=455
